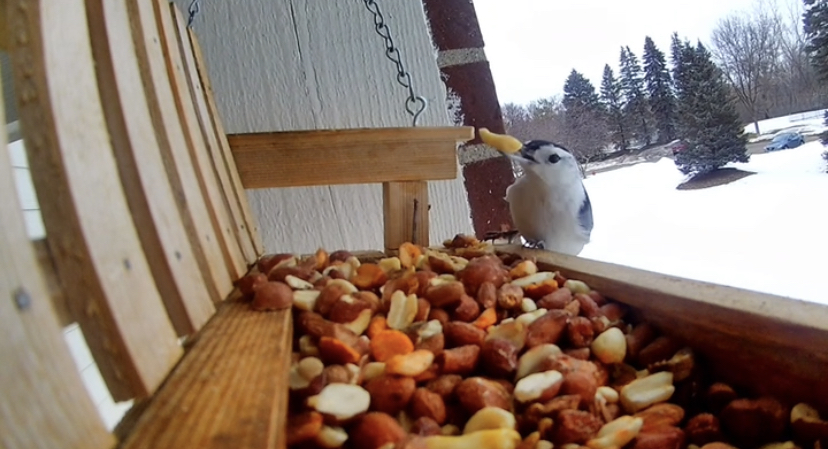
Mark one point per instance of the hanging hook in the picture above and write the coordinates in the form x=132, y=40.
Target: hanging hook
x=409, y=106
x=194, y=8
x=415, y=105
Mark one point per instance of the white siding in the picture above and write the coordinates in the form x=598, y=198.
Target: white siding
x=279, y=65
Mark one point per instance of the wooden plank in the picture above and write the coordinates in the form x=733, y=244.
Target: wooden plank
x=207, y=181
x=46, y=263
x=179, y=166
x=39, y=383
x=98, y=255
x=250, y=221
x=768, y=344
x=4, y=27
x=308, y=158
x=229, y=391
x=405, y=213
x=147, y=188
x=208, y=130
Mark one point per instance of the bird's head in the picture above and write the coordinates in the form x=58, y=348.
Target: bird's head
x=546, y=159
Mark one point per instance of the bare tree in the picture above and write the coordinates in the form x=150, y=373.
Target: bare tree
x=747, y=48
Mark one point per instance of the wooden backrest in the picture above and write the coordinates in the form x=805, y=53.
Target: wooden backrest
x=146, y=217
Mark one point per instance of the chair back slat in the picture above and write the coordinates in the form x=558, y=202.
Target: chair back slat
x=249, y=220
x=147, y=188
x=207, y=179
x=109, y=287
x=43, y=403
x=211, y=138
x=174, y=149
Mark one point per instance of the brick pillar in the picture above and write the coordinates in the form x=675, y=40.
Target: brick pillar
x=462, y=61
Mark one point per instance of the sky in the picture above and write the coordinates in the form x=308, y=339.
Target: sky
x=532, y=45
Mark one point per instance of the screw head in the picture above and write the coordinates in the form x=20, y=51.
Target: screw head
x=22, y=299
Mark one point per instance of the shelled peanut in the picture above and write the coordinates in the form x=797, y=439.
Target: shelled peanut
x=461, y=348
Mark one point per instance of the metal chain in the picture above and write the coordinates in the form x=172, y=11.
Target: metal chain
x=414, y=104
x=194, y=9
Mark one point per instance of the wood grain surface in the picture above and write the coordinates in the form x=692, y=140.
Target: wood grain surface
x=98, y=255
x=329, y=157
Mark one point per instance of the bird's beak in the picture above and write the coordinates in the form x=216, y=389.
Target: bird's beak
x=526, y=155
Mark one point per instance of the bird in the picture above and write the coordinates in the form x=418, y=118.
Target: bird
x=548, y=203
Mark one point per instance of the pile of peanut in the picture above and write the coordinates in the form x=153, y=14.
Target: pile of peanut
x=461, y=348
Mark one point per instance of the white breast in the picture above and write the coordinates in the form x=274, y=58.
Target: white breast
x=548, y=213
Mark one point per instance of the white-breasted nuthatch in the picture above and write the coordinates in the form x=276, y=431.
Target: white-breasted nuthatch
x=549, y=204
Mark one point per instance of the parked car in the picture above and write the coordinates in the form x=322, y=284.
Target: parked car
x=678, y=146
x=785, y=140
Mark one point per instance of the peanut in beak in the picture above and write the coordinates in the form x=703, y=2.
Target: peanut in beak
x=502, y=142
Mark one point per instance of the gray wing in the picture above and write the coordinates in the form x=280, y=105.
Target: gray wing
x=585, y=214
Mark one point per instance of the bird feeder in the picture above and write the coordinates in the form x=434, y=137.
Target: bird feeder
x=151, y=248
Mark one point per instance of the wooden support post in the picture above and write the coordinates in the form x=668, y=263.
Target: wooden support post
x=456, y=35
x=405, y=213
x=4, y=27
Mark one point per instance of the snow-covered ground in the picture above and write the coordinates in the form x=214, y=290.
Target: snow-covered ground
x=767, y=232
x=806, y=123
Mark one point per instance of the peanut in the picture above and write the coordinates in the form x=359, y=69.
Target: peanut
x=375, y=429
x=331, y=437
x=490, y=418
x=610, y=347
x=436, y=347
x=402, y=311
x=539, y=386
x=616, y=434
x=576, y=286
x=501, y=142
x=531, y=360
x=342, y=401
x=482, y=439
x=305, y=299
x=641, y=393
x=411, y=364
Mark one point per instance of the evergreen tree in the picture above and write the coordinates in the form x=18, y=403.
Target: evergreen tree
x=676, y=47
x=583, y=116
x=662, y=101
x=815, y=26
x=707, y=115
x=579, y=93
x=635, y=101
x=613, y=105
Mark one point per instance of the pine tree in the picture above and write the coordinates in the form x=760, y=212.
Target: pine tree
x=707, y=115
x=635, y=101
x=662, y=101
x=613, y=105
x=579, y=93
x=676, y=47
x=815, y=26
x=583, y=115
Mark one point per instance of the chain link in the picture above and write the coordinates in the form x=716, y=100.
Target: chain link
x=414, y=104
x=194, y=9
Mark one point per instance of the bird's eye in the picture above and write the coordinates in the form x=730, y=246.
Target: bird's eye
x=554, y=158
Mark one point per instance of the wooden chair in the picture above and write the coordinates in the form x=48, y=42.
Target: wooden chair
x=148, y=226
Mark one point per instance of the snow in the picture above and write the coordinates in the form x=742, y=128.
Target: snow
x=765, y=232
x=806, y=123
